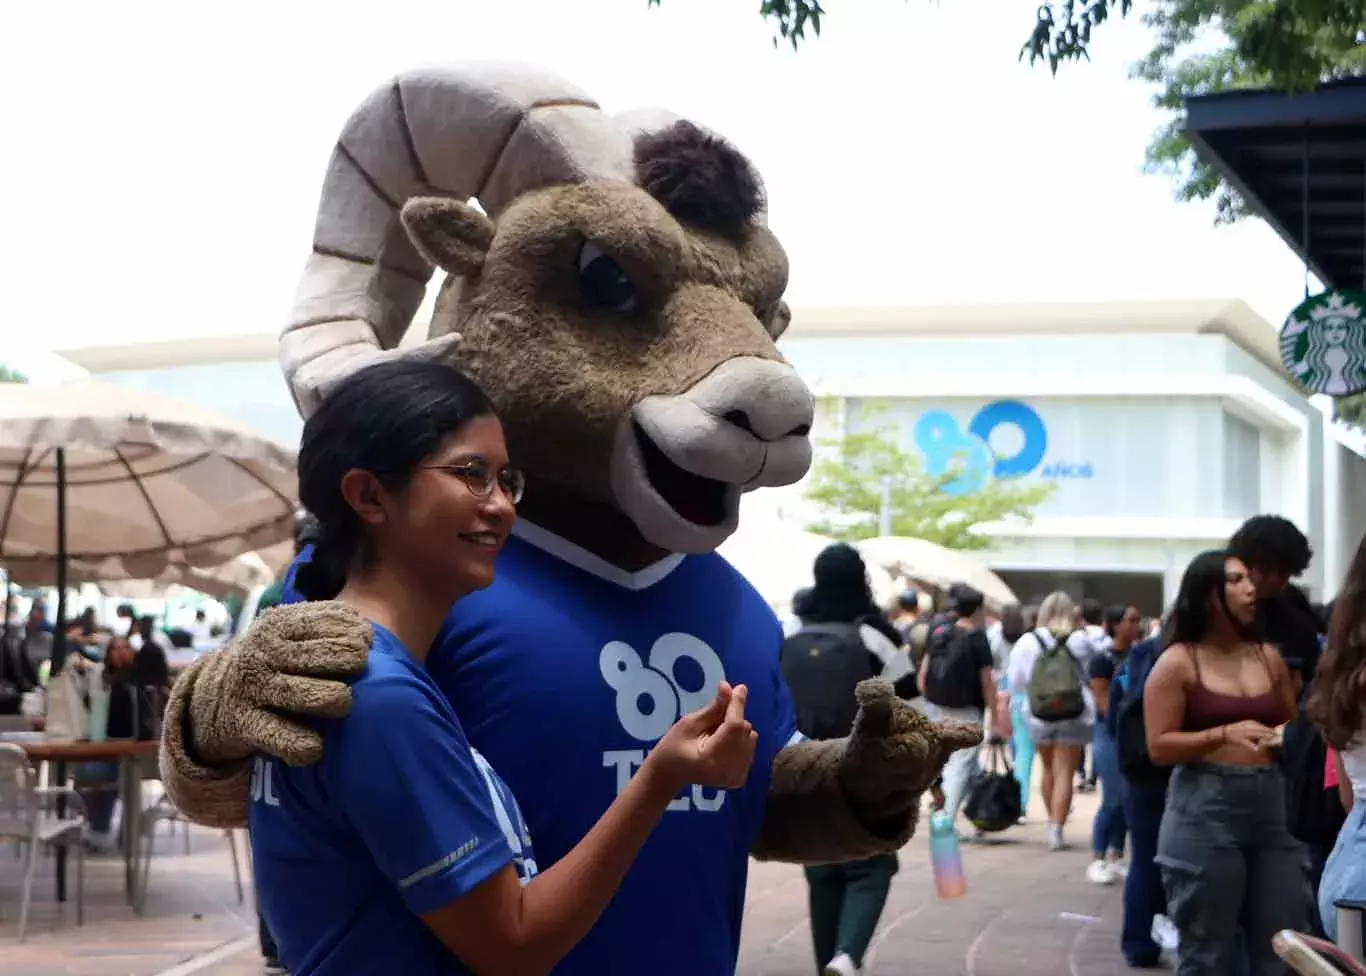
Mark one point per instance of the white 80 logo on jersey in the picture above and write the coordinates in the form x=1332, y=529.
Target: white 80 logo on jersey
x=649, y=695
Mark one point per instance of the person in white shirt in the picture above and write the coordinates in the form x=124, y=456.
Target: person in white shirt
x=1059, y=744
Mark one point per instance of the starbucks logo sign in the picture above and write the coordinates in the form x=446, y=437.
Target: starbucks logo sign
x=1323, y=343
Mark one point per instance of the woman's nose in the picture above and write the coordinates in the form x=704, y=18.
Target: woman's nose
x=499, y=504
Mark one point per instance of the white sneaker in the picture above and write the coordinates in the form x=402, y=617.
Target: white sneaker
x=1119, y=869
x=1164, y=933
x=1055, y=837
x=841, y=965
x=1099, y=873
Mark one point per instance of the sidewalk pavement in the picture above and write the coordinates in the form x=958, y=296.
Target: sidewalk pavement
x=192, y=909
x=1028, y=912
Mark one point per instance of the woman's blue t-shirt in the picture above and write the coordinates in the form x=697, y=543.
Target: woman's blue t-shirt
x=399, y=818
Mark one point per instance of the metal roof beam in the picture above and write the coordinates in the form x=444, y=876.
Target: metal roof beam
x=1342, y=102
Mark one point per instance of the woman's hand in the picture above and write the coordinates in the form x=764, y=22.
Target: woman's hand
x=1248, y=734
x=713, y=746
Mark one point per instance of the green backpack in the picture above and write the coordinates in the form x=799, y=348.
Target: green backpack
x=1056, y=691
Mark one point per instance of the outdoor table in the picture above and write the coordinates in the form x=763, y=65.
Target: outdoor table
x=126, y=752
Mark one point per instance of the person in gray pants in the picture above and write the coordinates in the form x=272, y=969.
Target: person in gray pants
x=1213, y=708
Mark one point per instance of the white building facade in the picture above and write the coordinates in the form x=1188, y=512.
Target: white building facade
x=1161, y=426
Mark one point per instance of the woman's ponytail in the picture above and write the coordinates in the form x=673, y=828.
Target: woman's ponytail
x=324, y=575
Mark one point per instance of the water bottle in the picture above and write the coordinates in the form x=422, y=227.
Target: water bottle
x=945, y=857
x=99, y=705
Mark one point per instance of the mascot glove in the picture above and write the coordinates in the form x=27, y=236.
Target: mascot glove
x=293, y=662
x=895, y=752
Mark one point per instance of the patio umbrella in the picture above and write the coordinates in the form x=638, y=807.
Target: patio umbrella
x=92, y=472
x=934, y=565
x=237, y=576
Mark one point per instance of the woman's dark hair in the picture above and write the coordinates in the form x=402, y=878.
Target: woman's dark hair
x=1336, y=703
x=1190, y=620
x=1273, y=544
x=1013, y=625
x=385, y=419
x=1114, y=615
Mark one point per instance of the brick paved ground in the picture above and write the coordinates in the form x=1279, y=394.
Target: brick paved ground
x=1028, y=912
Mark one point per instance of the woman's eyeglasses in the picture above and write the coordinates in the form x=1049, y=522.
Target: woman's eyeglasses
x=480, y=479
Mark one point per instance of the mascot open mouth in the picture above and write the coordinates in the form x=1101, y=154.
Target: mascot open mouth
x=699, y=500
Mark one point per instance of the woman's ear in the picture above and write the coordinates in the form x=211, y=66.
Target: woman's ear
x=450, y=234
x=363, y=493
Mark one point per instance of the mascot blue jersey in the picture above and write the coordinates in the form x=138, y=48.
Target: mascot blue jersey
x=564, y=673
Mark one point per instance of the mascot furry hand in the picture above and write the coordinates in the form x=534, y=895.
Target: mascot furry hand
x=618, y=295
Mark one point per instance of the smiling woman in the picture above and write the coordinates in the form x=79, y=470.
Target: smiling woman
x=405, y=467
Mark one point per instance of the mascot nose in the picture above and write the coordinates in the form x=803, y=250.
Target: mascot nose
x=764, y=398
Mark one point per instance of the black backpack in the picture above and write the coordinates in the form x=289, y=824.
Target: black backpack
x=1314, y=813
x=1129, y=728
x=952, y=676
x=822, y=664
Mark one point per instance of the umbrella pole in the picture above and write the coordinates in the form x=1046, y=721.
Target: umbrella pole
x=59, y=635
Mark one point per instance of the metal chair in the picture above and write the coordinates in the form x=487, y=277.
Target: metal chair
x=164, y=811
x=25, y=818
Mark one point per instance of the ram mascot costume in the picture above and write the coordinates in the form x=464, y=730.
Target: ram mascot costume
x=617, y=293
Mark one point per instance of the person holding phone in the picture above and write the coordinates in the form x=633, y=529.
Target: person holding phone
x=1214, y=706
x=401, y=850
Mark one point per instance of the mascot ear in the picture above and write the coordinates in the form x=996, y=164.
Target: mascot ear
x=451, y=235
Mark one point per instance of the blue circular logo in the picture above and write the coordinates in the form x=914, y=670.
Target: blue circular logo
x=948, y=449
x=1033, y=435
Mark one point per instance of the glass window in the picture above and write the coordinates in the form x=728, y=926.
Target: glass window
x=1242, y=468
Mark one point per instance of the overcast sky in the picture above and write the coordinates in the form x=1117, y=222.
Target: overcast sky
x=162, y=160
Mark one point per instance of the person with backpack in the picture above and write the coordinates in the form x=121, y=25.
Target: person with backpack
x=1144, y=797
x=955, y=676
x=1047, y=666
x=843, y=639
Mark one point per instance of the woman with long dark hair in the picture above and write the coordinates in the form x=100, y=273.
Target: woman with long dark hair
x=402, y=850
x=1213, y=707
x=1338, y=706
x=1109, y=829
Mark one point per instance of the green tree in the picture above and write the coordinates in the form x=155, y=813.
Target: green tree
x=847, y=487
x=1291, y=45
x=8, y=375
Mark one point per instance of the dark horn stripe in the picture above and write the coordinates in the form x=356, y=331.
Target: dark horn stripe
x=332, y=252
x=375, y=188
x=564, y=103
x=419, y=171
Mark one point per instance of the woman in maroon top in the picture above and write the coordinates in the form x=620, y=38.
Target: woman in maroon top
x=1214, y=706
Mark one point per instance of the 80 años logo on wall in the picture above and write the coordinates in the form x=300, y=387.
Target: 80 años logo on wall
x=947, y=448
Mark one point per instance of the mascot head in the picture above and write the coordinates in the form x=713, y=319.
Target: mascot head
x=616, y=291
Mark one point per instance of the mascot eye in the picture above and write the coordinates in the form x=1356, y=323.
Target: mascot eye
x=603, y=282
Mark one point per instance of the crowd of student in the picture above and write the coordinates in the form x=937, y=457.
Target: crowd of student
x=1226, y=741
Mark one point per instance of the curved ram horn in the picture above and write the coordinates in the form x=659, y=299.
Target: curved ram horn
x=483, y=131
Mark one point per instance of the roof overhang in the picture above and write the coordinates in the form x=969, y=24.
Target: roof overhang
x=1279, y=150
